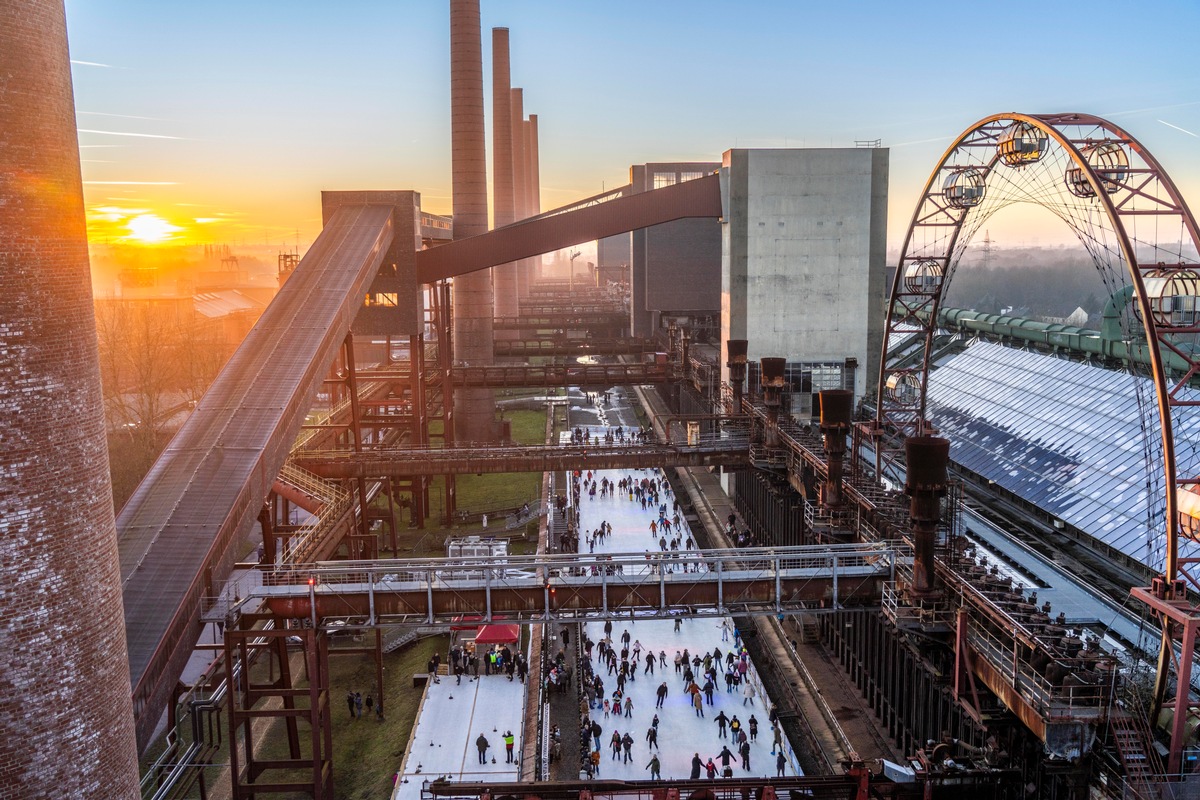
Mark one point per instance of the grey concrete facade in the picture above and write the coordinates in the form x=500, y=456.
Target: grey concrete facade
x=674, y=268
x=803, y=255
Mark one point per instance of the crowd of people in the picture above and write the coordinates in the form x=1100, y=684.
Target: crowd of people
x=718, y=679
x=496, y=660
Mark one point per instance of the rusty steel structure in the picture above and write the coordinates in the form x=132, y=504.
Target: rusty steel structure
x=574, y=225
x=240, y=449
x=66, y=719
x=563, y=587
x=1100, y=181
x=559, y=346
x=181, y=531
x=343, y=464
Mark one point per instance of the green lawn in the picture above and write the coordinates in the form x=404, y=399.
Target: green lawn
x=366, y=752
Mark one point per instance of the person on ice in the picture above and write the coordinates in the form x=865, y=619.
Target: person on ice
x=481, y=744
x=652, y=738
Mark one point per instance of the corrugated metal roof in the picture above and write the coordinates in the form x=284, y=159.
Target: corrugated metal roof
x=1066, y=437
x=223, y=303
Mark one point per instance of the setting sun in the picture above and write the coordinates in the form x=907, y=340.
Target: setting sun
x=150, y=229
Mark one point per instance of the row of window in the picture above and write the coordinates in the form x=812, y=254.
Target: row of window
x=662, y=179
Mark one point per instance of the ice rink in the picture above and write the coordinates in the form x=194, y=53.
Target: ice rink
x=453, y=716
x=451, y=719
x=681, y=734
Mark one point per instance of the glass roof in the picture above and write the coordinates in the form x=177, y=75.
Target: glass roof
x=1065, y=436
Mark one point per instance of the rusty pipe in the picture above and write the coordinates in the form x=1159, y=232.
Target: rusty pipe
x=735, y=350
x=837, y=409
x=927, y=459
x=772, y=370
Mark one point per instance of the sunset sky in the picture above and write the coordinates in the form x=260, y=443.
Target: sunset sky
x=222, y=121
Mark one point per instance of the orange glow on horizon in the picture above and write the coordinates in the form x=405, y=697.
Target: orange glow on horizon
x=150, y=228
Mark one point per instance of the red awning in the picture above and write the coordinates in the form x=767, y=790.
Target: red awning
x=498, y=634
x=469, y=622
x=465, y=622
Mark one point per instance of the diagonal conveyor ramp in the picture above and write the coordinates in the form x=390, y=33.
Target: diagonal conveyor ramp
x=184, y=524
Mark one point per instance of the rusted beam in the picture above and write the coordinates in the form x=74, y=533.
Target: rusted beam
x=544, y=234
x=478, y=460
x=574, y=347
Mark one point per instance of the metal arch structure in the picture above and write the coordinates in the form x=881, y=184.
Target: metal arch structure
x=1127, y=212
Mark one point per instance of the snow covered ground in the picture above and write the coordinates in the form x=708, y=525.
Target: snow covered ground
x=451, y=719
x=681, y=734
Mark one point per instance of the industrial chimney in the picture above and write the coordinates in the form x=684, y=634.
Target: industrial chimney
x=473, y=298
x=66, y=712
x=504, y=278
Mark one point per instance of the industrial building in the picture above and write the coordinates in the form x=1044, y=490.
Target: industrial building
x=959, y=567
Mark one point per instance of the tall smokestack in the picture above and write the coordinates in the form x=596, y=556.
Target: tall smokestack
x=473, y=299
x=531, y=163
x=520, y=178
x=66, y=713
x=520, y=175
x=533, y=188
x=504, y=278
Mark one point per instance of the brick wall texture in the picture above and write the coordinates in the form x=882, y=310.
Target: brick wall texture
x=66, y=719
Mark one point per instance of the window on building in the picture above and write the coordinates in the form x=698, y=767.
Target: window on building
x=805, y=379
x=390, y=299
x=690, y=176
x=662, y=179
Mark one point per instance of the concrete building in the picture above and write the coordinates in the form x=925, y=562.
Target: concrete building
x=803, y=274
x=674, y=269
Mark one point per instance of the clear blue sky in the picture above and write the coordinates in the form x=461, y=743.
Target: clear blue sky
x=274, y=101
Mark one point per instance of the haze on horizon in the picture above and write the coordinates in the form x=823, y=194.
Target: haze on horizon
x=222, y=122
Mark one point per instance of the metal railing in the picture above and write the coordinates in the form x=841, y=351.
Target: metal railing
x=1065, y=701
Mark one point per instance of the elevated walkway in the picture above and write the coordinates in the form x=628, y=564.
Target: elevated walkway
x=180, y=531
x=573, y=320
x=573, y=347
x=587, y=221
x=501, y=376
x=704, y=583
x=547, y=458
x=585, y=376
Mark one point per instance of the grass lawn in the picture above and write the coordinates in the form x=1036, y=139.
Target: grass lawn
x=494, y=494
x=366, y=752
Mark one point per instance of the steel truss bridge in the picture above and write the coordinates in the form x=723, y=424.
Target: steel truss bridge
x=406, y=462
x=501, y=376
x=566, y=587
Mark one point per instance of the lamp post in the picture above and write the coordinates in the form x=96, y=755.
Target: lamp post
x=571, y=273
